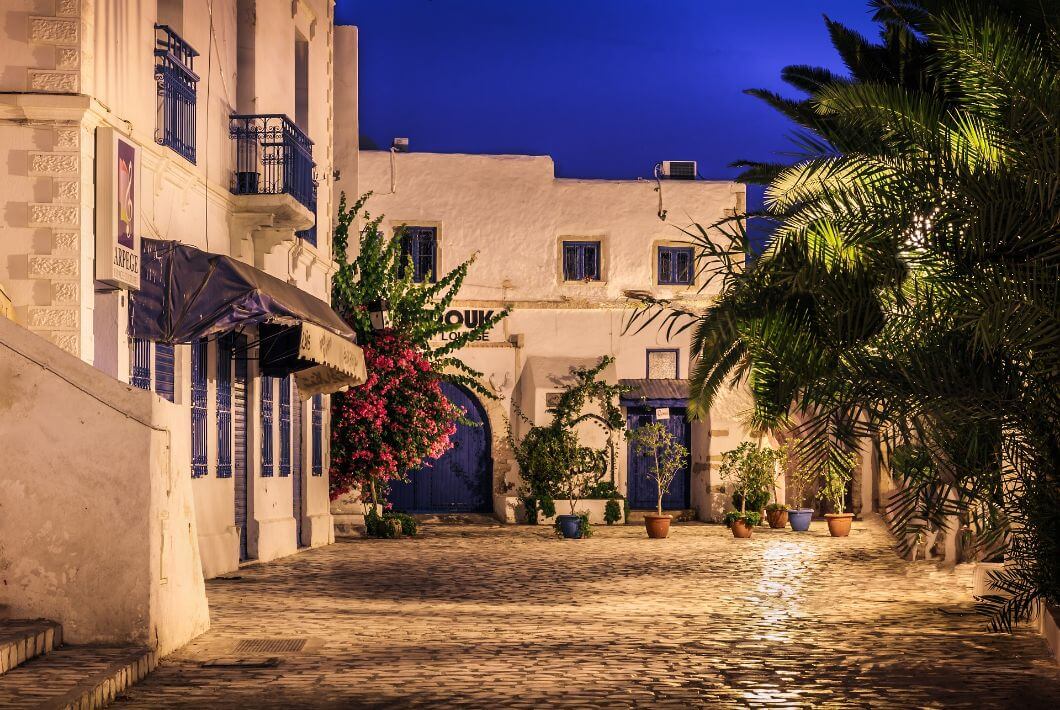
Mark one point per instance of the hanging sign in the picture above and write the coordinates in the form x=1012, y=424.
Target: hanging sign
x=117, y=209
x=662, y=414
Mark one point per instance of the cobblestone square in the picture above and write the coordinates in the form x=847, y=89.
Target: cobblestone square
x=511, y=616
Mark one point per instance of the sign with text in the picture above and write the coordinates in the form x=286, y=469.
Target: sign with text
x=468, y=318
x=117, y=209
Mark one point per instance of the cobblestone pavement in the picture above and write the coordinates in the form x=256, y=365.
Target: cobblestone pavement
x=510, y=616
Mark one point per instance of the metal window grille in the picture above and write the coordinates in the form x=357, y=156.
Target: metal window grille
x=176, y=82
x=285, y=426
x=140, y=370
x=198, y=409
x=165, y=377
x=266, y=427
x=581, y=261
x=318, y=435
x=420, y=246
x=224, y=407
x=663, y=365
x=676, y=265
x=273, y=157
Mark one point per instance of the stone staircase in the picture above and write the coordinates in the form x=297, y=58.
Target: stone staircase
x=37, y=671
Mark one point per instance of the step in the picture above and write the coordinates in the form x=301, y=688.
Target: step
x=23, y=639
x=680, y=516
x=75, y=677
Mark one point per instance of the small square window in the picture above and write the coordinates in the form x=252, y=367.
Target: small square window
x=581, y=261
x=420, y=246
x=662, y=365
x=676, y=266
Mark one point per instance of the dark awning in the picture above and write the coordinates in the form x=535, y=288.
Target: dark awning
x=655, y=393
x=186, y=294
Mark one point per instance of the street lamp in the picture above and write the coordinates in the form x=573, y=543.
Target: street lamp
x=379, y=312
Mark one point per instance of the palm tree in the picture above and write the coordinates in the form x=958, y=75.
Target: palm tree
x=911, y=290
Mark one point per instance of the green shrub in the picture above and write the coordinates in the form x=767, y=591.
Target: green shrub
x=751, y=518
x=612, y=512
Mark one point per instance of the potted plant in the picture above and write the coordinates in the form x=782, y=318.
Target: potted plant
x=742, y=523
x=667, y=457
x=580, y=468
x=552, y=461
x=834, y=490
x=777, y=512
x=801, y=479
x=750, y=470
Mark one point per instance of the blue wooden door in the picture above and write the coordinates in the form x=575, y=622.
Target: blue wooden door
x=459, y=481
x=239, y=445
x=641, y=490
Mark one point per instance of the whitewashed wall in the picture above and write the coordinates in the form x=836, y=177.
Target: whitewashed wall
x=71, y=66
x=513, y=214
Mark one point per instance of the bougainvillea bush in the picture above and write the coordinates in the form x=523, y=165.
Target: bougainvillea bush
x=386, y=427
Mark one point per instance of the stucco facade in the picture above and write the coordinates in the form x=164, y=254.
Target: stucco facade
x=514, y=215
x=71, y=68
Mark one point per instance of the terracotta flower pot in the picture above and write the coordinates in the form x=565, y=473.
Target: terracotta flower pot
x=741, y=529
x=839, y=523
x=658, y=526
x=777, y=518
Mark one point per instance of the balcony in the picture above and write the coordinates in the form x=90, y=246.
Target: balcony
x=273, y=183
x=176, y=81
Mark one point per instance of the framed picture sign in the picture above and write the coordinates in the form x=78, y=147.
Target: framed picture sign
x=118, y=208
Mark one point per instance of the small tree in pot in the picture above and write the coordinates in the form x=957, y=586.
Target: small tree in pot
x=802, y=476
x=750, y=470
x=836, y=476
x=668, y=456
x=551, y=459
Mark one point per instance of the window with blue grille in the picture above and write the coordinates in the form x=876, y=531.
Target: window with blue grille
x=176, y=84
x=224, y=407
x=198, y=409
x=318, y=435
x=140, y=367
x=419, y=245
x=285, y=426
x=267, y=466
x=676, y=266
x=581, y=261
x=165, y=366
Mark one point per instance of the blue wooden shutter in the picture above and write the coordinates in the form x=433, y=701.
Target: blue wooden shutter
x=298, y=444
x=224, y=407
x=675, y=265
x=140, y=370
x=581, y=261
x=285, y=426
x=318, y=435
x=591, y=261
x=164, y=370
x=198, y=409
x=266, y=427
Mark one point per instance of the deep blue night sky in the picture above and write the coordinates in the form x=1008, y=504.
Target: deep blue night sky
x=608, y=88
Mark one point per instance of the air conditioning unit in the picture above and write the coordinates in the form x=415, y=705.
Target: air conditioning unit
x=679, y=169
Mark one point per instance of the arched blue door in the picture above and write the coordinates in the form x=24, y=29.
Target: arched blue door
x=642, y=490
x=459, y=481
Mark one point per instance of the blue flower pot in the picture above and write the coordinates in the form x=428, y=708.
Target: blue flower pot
x=570, y=526
x=799, y=519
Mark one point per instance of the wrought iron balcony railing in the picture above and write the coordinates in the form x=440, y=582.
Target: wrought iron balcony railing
x=176, y=80
x=273, y=157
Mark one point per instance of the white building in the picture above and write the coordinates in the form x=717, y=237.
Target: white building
x=208, y=123
x=561, y=253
